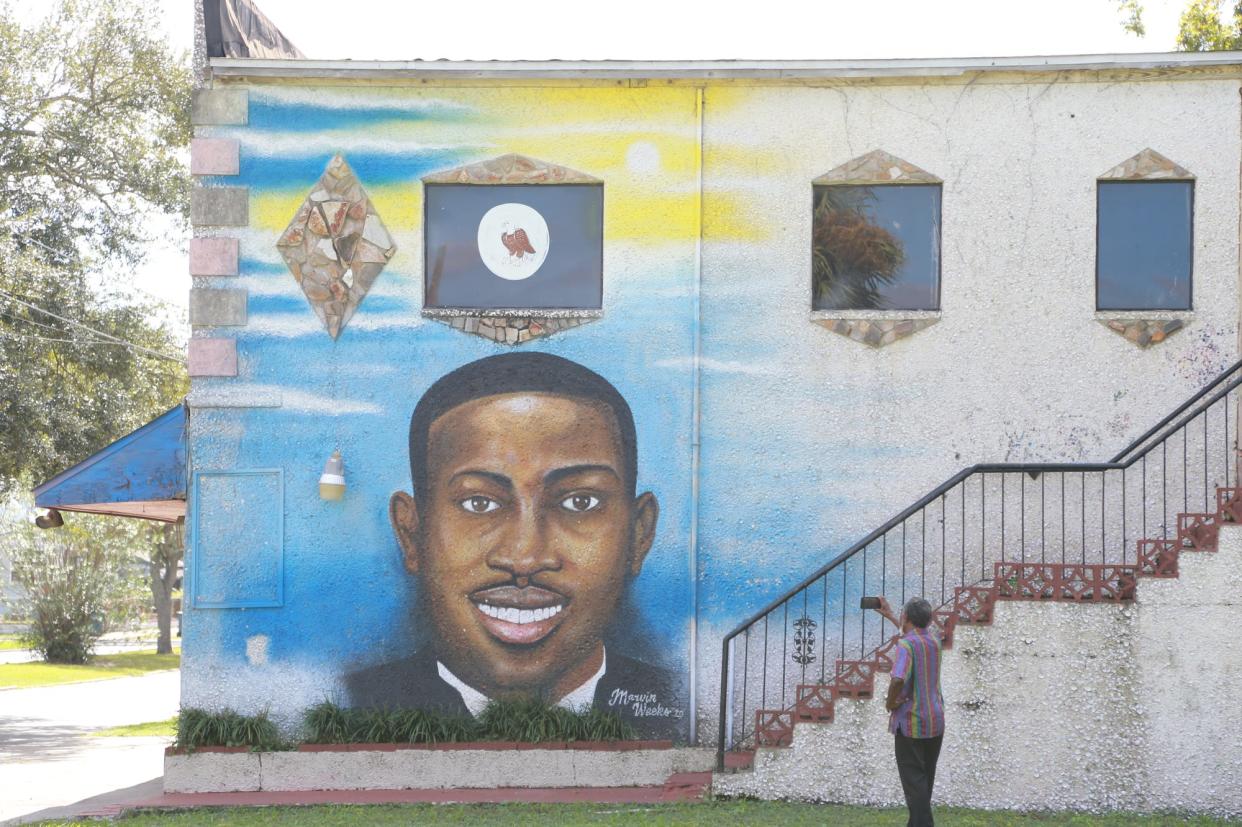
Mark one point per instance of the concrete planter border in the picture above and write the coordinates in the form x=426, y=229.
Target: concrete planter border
x=483, y=765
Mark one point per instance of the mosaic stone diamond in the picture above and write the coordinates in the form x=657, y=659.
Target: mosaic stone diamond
x=336, y=245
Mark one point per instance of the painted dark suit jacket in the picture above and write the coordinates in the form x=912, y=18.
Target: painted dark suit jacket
x=414, y=682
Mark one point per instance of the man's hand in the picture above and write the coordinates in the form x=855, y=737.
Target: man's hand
x=894, y=694
x=886, y=611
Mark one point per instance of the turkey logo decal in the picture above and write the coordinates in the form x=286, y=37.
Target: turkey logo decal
x=513, y=241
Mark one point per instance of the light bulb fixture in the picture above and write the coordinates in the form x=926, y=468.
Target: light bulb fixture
x=50, y=520
x=332, y=481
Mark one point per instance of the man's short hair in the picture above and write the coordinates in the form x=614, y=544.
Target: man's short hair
x=518, y=373
x=918, y=611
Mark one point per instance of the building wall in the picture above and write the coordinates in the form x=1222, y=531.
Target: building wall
x=808, y=439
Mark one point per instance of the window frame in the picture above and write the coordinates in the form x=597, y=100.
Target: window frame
x=939, y=185
x=1190, y=258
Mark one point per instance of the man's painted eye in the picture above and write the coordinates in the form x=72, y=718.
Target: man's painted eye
x=580, y=502
x=479, y=504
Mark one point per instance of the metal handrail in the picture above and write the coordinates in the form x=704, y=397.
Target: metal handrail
x=1164, y=429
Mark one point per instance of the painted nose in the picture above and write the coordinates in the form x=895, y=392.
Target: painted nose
x=524, y=550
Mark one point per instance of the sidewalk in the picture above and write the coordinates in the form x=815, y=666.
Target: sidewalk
x=48, y=756
x=681, y=787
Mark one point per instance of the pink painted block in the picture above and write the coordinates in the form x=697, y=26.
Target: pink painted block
x=213, y=357
x=214, y=156
x=213, y=256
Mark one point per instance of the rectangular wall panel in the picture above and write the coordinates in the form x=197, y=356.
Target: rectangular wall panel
x=238, y=536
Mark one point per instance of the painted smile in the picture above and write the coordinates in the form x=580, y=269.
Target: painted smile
x=519, y=616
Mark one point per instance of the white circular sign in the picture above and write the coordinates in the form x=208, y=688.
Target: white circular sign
x=513, y=241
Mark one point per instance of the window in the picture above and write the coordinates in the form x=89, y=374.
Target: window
x=514, y=246
x=876, y=247
x=1143, y=245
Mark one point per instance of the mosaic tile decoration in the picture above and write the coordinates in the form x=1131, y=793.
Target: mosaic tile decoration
x=877, y=332
x=876, y=167
x=336, y=245
x=1148, y=165
x=1143, y=332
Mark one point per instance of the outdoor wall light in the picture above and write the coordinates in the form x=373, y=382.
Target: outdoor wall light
x=51, y=519
x=332, y=481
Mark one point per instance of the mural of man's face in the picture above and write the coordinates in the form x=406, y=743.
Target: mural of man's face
x=524, y=539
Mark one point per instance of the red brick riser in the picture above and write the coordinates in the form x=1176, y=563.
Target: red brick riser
x=1061, y=582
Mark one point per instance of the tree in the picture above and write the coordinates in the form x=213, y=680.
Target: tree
x=1200, y=28
x=93, y=125
x=81, y=580
x=162, y=564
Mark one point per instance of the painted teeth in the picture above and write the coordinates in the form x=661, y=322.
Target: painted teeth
x=519, y=616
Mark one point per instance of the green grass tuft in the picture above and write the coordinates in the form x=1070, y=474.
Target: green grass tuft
x=167, y=728
x=508, y=720
x=199, y=728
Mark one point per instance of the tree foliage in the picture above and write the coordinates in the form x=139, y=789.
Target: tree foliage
x=93, y=126
x=1201, y=28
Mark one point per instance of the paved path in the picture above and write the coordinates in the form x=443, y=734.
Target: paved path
x=49, y=759
x=28, y=655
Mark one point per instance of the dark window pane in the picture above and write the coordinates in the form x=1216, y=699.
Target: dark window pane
x=1143, y=260
x=520, y=246
x=876, y=247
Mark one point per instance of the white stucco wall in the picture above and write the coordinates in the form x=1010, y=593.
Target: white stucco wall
x=810, y=440
x=1059, y=707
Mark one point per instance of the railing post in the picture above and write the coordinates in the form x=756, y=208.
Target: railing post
x=726, y=679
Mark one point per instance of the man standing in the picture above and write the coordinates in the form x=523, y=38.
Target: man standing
x=916, y=708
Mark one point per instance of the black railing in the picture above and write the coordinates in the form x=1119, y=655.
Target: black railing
x=1091, y=513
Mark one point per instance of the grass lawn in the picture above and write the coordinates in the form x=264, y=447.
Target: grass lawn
x=168, y=728
x=120, y=665
x=713, y=813
x=9, y=642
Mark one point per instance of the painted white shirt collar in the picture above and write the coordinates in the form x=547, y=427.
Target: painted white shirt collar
x=475, y=700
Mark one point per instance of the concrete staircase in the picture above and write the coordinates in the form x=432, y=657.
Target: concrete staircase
x=1068, y=686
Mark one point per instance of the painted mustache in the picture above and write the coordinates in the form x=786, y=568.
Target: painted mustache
x=519, y=615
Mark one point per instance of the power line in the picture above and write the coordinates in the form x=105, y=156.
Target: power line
x=108, y=336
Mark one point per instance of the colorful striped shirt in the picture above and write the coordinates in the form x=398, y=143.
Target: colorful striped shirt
x=920, y=713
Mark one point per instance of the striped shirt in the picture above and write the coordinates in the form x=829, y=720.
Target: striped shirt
x=920, y=713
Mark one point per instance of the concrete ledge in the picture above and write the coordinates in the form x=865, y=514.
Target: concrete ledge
x=213, y=772
x=220, y=206
x=400, y=767
x=217, y=307
x=215, y=156
x=214, y=256
x=219, y=107
x=213, y=357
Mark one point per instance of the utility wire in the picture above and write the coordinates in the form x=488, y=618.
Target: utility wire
x=108, y=336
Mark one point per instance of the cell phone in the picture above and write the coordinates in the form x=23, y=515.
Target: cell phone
x=869, y=603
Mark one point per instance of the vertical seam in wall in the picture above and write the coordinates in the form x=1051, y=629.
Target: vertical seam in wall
x=694, y=435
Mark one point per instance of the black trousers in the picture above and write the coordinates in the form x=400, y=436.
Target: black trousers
x=916, y=764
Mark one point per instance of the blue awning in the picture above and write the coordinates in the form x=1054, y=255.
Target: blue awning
x=140, y=475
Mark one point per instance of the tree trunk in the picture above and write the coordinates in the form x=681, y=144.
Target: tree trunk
x=163, y=580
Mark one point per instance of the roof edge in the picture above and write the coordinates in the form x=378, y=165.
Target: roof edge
x=718, y=69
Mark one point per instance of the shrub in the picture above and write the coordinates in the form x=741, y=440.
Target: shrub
x=502, y=720
x=79, y=581
x=200, y=728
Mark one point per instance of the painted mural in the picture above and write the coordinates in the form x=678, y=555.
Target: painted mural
x=425, y=597
x=524, y=531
